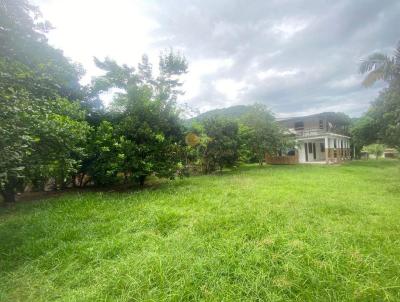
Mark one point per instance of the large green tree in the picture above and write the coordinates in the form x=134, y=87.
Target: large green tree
x=375, y=149
x=261, y=134
x=382, y=121
x=27, y=61
x=41, y=123
x=40, y=138
x=145, y=115
x=104, y=156
x=379, y=66
x=220, y=145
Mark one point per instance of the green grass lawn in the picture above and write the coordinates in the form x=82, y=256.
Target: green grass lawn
x=274, y=233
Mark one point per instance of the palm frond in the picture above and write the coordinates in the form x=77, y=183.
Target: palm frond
x=372, y=77
x=397, y=55
x=373, y=61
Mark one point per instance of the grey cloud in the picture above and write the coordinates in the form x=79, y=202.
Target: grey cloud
x=334, y=36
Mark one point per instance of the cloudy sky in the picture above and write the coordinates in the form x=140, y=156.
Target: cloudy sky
x=297, y=57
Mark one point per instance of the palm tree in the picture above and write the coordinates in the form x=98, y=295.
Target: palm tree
x=379, y=66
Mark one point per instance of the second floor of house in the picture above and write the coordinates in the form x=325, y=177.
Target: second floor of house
x=317, y=124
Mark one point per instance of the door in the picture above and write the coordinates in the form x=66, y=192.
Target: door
x=306, y=150
x=314, y=151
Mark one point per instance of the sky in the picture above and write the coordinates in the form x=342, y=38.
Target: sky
x=296, y=57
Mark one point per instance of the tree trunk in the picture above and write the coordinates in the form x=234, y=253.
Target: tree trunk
x=62, y=181
x=8, y=196
x=82, y=176
x=8, y=192
x=85, y=182
x=73, y=180
x=142, y=178
x=62, y=175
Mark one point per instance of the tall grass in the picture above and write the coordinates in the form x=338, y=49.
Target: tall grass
x=274, y=233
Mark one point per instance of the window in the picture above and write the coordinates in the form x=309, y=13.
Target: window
x=291, y=152
x=334, y=143
x=321, y=124
x=299, y=126
x=322, y=145
x=310, y=148
x=341, y=144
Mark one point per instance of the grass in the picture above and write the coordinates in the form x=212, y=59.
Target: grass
x=275, y=233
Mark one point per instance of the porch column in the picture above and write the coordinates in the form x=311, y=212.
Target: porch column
x=326, y=149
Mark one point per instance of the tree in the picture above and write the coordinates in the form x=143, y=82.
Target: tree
x=40, y=138
x=145, y=70
x=168, y=84
x=384, y=118
x=41, y=125
x=15, y=139
x=262, y=134
x=220, y=146
x=380, y=66
x=381, y=124
x=104, y=156
x=152, y=134
x=145, y=115
x=27, y=61
x=363, y=132
x=376, y=149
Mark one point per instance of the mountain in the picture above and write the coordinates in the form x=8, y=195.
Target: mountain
x=233, y=112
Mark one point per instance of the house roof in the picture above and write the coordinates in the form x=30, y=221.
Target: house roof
x=322, y=114
x=337, y=118
x=390, y=150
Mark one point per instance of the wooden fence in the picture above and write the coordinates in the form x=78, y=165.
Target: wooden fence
x=337, y=155
x=282, y=160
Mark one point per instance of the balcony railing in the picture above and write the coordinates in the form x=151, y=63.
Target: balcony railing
x=310, y=132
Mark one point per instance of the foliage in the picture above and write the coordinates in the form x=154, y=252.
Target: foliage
x=16, y=119
x=226, y=142
x=340, y=121
x=220, y=144
x=145, y=115
x=381, y=123
x=375, y=149
x=61, y=133
x=171, y=66
x=364, y=131
x=104, y=156
x=27, y=61
x=40, y=138
x=42, y=126
x=246, y=153
x=232, y=112
x=151, y=134
x=379, y=66
x=262, y=134
x=385, y=112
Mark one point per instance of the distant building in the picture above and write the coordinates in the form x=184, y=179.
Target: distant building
x=387, y=153
x=390, y=153
x=320, y=138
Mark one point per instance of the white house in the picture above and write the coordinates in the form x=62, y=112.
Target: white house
x=320, y=138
